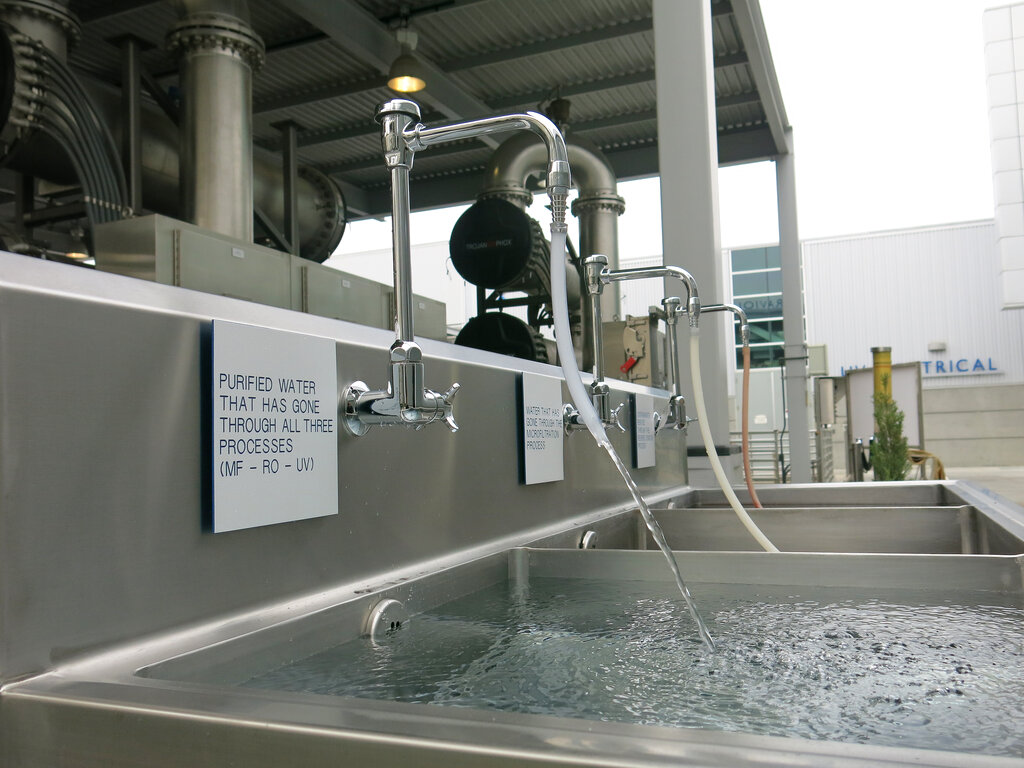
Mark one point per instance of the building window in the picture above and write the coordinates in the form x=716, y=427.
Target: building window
x=757, y=289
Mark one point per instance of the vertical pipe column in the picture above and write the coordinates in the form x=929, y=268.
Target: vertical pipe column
x=131, y=119
x=402, y=251
x=289, y=147
x=598, y=215
x=592, y=268
x=219, y=53
x=688, y=159
x=793, y=318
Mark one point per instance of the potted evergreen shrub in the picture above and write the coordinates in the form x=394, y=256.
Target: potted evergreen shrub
x=890, y=455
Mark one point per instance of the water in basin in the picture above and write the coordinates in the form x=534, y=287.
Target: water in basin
x=900, y=668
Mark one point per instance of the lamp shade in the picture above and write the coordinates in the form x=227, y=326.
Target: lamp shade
x=406, y=75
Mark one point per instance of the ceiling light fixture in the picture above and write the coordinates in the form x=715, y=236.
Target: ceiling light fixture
x=406, y=73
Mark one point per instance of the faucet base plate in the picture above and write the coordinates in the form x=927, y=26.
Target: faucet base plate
x=349, y=418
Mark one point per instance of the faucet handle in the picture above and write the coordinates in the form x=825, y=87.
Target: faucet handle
x=446, y=405
x=615, y=418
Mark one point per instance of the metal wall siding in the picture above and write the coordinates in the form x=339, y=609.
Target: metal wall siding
x=907, y=289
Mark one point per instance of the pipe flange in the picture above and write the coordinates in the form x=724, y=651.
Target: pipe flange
x=518, y=196
x=330, y=205
x=220, y=33
x=50, y=11
x=22, y=89
x=608, y=202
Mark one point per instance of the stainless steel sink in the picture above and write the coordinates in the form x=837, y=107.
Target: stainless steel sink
x=178, y=696
x=127, y=627
x=956, y=518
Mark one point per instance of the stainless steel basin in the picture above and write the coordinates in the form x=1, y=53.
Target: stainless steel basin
x=911, y=518
x=177, y=698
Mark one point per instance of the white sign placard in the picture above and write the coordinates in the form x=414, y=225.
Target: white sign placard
x=643, y=430
x=275, y=426
x=542, y=434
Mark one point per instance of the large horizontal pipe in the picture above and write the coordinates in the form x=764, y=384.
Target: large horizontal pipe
x=320, y=203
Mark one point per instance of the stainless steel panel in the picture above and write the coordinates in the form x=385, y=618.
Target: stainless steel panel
x=330, y=293
x=253, y=273
x=944, y=573
x=174, y=252
x=921, y=530
x=916, y=494
x=101, y=477
x=100, y=713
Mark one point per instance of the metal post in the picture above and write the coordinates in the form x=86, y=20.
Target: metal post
x=24, y=202
x=592, y=268
x=131, y=118
x=793, y=318
x=289, y=146
x=688, y=159
x=402, y=251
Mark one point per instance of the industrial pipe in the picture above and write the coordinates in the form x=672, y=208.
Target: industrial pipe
x=219, y=52
x=598, y=205
x=320, y=201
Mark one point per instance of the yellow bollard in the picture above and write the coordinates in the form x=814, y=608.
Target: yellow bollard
x=881, y=360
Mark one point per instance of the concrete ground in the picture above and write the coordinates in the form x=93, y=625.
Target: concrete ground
x=1006, y=481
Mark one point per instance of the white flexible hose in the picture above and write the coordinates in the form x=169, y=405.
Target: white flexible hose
x=563, y=339
x=709, y=445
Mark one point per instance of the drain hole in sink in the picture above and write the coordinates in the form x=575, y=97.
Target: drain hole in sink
x=385, y=618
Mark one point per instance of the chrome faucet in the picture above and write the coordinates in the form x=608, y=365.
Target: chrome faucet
x=600, y=392
x=676, y=419
x=672, y=309
x=740, y=315
x=405, y=400
x=597, y=275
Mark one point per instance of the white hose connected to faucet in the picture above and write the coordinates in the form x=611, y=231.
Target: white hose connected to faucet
x=563, y=340
x=709, y=445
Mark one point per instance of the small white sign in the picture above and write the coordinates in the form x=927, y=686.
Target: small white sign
x=275, y=426
x=541, y=439
x=643, y=430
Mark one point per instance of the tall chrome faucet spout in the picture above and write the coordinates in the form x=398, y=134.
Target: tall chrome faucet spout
x=639, y=273
x=559, y=180
x=405, y=400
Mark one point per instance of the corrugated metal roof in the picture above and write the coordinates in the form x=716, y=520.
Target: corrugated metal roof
x=498, y=54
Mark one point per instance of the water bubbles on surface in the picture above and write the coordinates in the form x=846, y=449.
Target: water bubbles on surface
x=819, y=664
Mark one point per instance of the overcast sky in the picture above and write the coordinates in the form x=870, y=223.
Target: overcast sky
x=888, y=106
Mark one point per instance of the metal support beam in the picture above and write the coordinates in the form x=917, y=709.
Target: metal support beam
x=24, y=202
x=747, y=14
x=363, y=36
x=334, y=89
x=42, y=216
x=289, y=131
x=357, y=202
x=131, y=118
x=688, y=159
x=793, y=318
x=276, y=235
x=160, y=96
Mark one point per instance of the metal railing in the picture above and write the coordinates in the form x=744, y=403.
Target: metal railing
x=769, y=455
